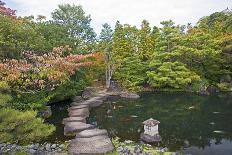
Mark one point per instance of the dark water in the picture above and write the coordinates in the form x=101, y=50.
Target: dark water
x=59, y=112
x=191, y=123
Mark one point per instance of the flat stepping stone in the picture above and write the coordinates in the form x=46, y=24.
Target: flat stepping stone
x=93, y=145
x=91, y=133
x=93, y=101
x=71, y=128
x=78, y=107
x=77, y=99
x=79, y=112
x=76, y=103
x=74, y=119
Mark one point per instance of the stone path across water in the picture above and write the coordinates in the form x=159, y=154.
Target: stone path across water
x=89, y=139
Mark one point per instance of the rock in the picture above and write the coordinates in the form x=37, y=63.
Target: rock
x=203, y=90
x=53, y=146
x=212, y=90
x=78, y=107
x=88, y=92
x=74, y=119
x=91, y=133
x=93, y=145
x=46, y=113
x=32, y=146
x=36, y=146
x=129, y=95
x=72, y=128
x=138, y=150
x=128, y=141
x=32, y=151
x=186, y=143
x=48, y=147
x=79, y=113
x=77, y=99
x=59, y=150
x=61, y=146
x=150, y=139
x=92, y=101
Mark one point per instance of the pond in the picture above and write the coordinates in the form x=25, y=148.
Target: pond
x=191, y=123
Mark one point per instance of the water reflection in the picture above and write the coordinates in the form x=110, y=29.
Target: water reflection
x=188, y=122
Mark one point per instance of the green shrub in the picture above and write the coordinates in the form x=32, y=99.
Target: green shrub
x=22, y=127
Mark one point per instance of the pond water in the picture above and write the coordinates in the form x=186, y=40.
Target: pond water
x=191, y=123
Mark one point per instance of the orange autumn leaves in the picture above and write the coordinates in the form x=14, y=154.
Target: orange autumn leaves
x=44, y=72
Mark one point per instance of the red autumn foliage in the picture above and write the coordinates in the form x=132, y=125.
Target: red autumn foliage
x=47, y=71
x=6, y=11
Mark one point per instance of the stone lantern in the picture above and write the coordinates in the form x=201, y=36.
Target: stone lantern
x=151, y=132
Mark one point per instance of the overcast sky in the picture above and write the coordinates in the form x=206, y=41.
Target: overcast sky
x=127, y=11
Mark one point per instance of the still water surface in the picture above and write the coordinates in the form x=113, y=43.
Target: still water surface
x=200, y=125
x=192, y=123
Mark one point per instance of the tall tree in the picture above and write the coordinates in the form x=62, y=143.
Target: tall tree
x=77, y=22
x=106, y=37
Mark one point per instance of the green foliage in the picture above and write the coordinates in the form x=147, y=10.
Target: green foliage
x=170, y=75
x=77, y=22
x=17, y=36
x=22, y=127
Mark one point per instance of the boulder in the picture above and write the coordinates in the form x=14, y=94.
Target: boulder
x=77, y=99
x=129, y=95
x=79, y=113
x=71, y=128
x=212, y=90
x=149, y=138
x=74, y=119
x=91, y=133
x=92, y=145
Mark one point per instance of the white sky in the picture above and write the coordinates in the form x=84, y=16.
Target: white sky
x=127, y=11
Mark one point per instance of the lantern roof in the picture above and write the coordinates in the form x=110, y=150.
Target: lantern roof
x=151, y=122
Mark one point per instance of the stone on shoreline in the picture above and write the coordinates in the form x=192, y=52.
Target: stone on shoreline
x=93, y=145
x=71, y=128
x=91, y=133
x=74, y=119
x=149, y=138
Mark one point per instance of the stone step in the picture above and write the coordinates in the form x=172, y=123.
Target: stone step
x=91, y=133
x=71, y=128
x=92, y=145
x=93, y=102
x=74, y=119
x=77, y=99
x=78, y=107
x=79, y=112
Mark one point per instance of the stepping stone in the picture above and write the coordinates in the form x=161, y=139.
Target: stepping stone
x=76, y=103
x=71, y=128
x=78, y=107
x=91, y=133
x=79, y=113
x=93, y=145
x=74, y=119
x=92, y=101
x=77, y=99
